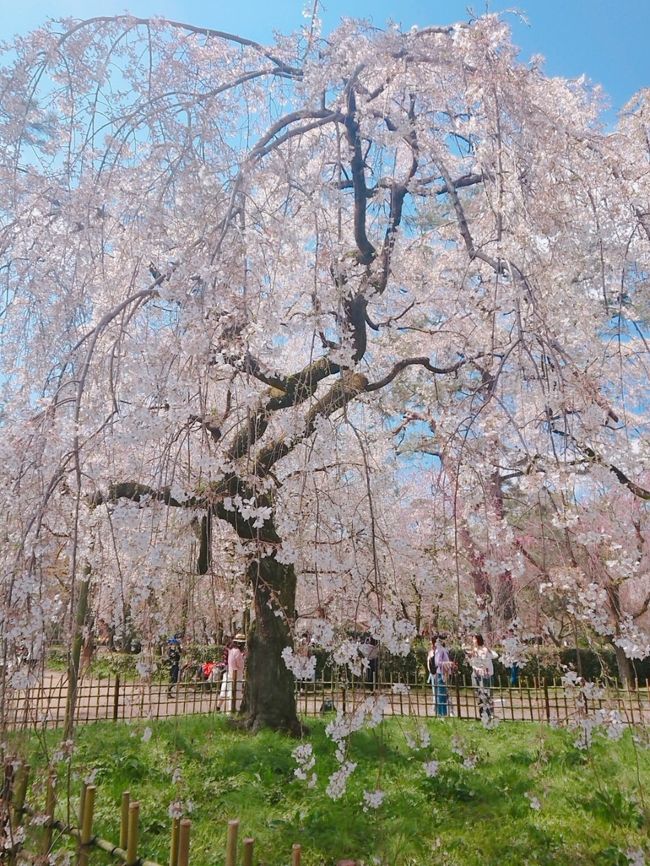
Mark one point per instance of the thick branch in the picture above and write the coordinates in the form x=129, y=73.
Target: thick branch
x=295, y=389
x=421, y=361
x=367, y=251
x=342, y=392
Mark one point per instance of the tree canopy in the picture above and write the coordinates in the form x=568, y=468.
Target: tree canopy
x=347, y=316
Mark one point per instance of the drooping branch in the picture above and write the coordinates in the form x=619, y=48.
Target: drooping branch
x=131, y=21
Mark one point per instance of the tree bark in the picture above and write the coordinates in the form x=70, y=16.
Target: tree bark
x=269, y=699
x=625, y=669
x=75, y=653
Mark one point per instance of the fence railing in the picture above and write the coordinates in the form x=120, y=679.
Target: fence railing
x=530, y=700
x=38, y=842
x=43, y=706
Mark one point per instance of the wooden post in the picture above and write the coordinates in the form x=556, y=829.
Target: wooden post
x=6, y=840
x=82, y=804
x=132, y=844
x=173, y=848
x=184, y=842
x=124, y=820
x=231, y=843
x=295, y=855
x=247, y=859
x=18, y=801
x=86, y=828
x=233, y=693
x=116, y=698
x=20, y=792
x=547, y=703
x=50, y=801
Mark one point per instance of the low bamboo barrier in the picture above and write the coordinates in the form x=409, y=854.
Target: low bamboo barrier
x=43, y=706
x=16, y=844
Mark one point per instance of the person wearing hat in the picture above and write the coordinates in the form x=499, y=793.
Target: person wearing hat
x=234, y=674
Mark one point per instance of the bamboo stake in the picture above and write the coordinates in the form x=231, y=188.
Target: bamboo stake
x=20, y=793
x=6, y=836
x=50, y=801
x=247, y=859
x=184, y=842
x=132, y=843
x=124, y=819
x=116, y=698
x=173, y=847
x=295, y=855
x=231, y=844
x=82, y=804
x=87, y=825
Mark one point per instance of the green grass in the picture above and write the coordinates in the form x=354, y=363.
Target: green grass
x=592, y=803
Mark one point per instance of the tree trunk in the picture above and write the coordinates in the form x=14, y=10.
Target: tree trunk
x=625, y=669
x=270, y=700
x=74, y=656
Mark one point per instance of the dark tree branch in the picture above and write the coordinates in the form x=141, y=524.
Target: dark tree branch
x=367, y=252
x=421, y=361
x=296, y=389
x=594, y=457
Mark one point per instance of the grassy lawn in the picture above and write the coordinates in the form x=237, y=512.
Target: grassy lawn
x=531, y=797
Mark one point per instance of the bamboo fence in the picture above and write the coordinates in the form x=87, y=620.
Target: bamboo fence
x=43, y=706
x=27, y=835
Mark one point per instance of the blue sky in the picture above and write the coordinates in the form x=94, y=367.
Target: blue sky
x=608, y=40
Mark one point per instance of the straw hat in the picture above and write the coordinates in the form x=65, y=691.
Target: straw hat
x=239, y=638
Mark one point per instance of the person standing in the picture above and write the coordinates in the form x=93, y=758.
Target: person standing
x=511, y=656
x=438, y=664
x=173, y=661
x=234, y=675
x=480, y=659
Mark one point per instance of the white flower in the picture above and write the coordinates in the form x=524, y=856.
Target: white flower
x=176, y=809
x=302, y=667
x=339, y=779
x=533, y=801
x=372, y=799
x=400, y=689
x=431, y=768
